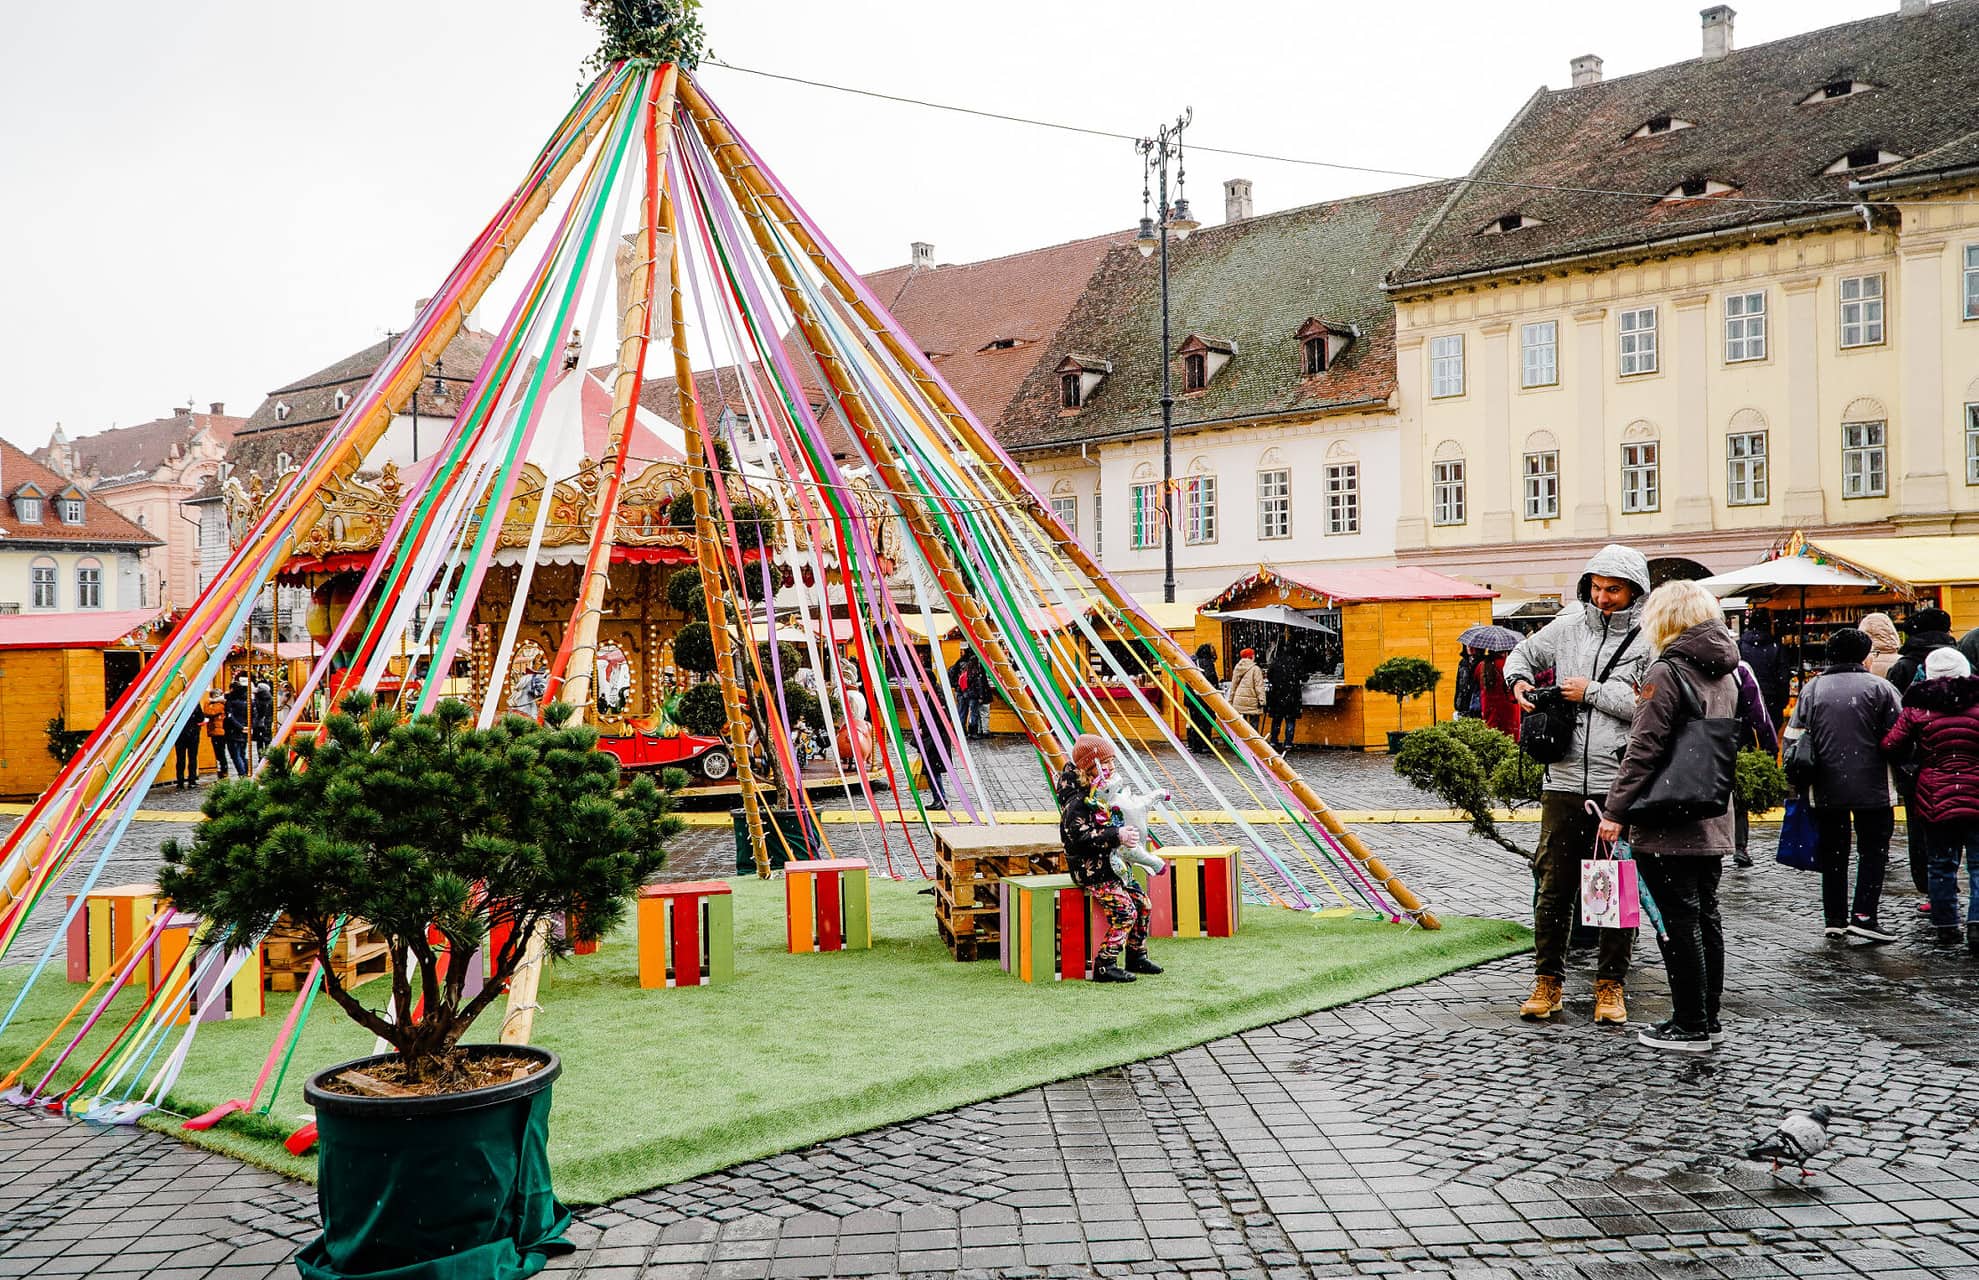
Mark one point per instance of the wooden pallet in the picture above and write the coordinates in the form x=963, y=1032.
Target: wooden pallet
x=358, y=956
x=969, y=861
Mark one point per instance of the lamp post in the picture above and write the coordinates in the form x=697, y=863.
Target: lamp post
x=1156, y=225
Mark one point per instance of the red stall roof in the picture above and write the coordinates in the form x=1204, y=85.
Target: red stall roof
x=1349, y=585
x=83, y=629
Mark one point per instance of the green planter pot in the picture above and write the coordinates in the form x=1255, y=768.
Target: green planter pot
x=440, y=1188
x=1395, y=738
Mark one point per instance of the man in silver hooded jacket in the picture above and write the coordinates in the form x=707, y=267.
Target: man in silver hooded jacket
x=1579, y=646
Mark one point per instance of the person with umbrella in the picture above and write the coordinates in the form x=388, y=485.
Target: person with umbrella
x=1497, y=706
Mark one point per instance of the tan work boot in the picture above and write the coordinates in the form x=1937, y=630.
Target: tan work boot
x=1545, y=1000
x=1608, y=1006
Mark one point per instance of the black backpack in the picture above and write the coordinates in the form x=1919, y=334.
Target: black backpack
x=1546, y=733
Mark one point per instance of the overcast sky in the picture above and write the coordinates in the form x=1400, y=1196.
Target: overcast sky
x=208, y=198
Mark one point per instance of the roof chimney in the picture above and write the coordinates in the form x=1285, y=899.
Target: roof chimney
x=924, y=254
x=1908, y=7
x=1587, y=69
x=218, y=408
x=1236, y=199
x=181, y=411
x=1717, y=31
x=419, y=307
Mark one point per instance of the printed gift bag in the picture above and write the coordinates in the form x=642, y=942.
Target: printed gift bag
x=1608, y=896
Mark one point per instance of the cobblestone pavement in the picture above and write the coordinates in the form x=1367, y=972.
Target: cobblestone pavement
x=1425, y=1131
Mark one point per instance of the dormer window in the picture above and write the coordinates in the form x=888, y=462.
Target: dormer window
x=341, y=399
x=27, y=508
x=70, y=509
x=1321, y=344
x=1203, y=357
x=999, y=344
x=1079, y=379
x=1697, y=189
x=1659, y=125
x=1510, y=222
x=1828, y=92
x=1863, y=158
x=281, y=411
x=282, y=461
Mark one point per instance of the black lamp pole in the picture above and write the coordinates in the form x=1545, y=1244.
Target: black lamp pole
x=1156, y=152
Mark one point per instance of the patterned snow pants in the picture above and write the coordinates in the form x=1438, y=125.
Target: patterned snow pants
x=1127, y=911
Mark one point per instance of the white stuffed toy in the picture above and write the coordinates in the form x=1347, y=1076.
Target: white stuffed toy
x=1130, y=812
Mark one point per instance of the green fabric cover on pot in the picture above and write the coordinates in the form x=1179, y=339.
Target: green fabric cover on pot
x=461, y=1195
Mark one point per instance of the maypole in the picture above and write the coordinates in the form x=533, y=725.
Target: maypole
x=730, y=153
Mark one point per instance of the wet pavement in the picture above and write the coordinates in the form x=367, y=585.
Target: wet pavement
x=1424, y=1131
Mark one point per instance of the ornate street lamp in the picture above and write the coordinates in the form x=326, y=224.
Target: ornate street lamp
x=1158, y=222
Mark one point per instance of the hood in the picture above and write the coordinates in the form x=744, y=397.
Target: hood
x=1952, y=695
x=1707, y=647
x=1881, y=631
x=1922, y=642
x=1068, y=786
x=1616, y=561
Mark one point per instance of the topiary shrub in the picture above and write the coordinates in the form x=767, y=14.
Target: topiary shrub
x=421, y=825
x=1761, y=782
x=1441, y=761
x=789, y=657
x=803, y=705
x=702, y=710
x=694, y=648
x=1402, y=679
x=684, y=594
x=1517, y=779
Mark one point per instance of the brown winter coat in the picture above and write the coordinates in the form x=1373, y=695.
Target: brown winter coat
x=1247, y=687
x=1704, y=657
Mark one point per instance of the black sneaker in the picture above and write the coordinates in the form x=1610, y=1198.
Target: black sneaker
x=1111, y=973
x=1742, y=859
x=1668, y=1035
x=1867, y=927
x=1716, y=1031
x=1949, y=935
x=1141, y=964
x=1836, y=931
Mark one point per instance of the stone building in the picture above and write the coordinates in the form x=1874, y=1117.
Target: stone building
x=64, y=550
x=146, y=473
x=1694, y=307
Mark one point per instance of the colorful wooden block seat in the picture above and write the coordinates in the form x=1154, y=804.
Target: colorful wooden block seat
x=212, y=1001
x=1196, y=894
x=827, y=904
x=1049, y=928
x=110, y=921
x=686, y=934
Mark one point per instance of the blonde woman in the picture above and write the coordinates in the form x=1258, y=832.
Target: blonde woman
x=1681, y=860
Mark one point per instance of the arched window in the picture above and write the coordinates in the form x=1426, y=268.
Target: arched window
x=1449, y=497
x=1746, y=465
x=1199, y=504
x=1865, y=449
x=1541, y=476
x=41, y=578
x=1065, y=505
x=1343, y=489
x=1642, y=468
x=89, y=584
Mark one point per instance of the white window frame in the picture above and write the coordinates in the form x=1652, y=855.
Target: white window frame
x=70, y=510
x=1747, y=483
x=1642, y=476
x=1198, y=510
x=1274, y=504
x=1865, y=459
x=1067, y=511
x=1098, y=528
x=89, y=585
x=1448, y=498
x=1972, y=444
x=1446, y=366
x=44, y=576
x=27, y=510
x=1540, y=471
x=1343, y=498
x=1971, y=275
x=1144, y=508
x=1745, y=326
x=1636, y=345
x=1861, y=310
x=1539, y=354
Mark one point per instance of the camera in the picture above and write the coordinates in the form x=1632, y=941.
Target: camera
x=1543, y=697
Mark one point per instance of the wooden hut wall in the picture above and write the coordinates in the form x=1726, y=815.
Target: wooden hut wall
x=41, y=684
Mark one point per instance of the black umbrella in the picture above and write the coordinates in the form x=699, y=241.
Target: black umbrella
x=1490, y=638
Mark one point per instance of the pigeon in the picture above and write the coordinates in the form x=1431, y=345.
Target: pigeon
x=1800, y=1137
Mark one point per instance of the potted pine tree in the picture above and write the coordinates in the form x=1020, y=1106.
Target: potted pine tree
x=1402, y=679
x=447, y=840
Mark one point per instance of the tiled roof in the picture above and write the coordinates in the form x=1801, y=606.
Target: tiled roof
x=722, y=388
x=1753, y=130
x=125, y=455
x=100, y=527
x=1961, y=153
x=959, y=314
x=1253, y=283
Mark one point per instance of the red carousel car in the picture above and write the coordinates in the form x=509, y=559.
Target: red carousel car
x=710, y=757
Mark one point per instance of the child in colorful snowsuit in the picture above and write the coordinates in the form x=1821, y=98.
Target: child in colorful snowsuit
x=1086, y=828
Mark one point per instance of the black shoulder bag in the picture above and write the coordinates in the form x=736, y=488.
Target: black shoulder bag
x=1698, y=768
x=1546, y=733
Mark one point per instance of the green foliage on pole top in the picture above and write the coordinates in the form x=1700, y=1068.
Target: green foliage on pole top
x=694, y=648
x=647, y=31
x=1402, y=679
x=702, y=710
x=424, y=824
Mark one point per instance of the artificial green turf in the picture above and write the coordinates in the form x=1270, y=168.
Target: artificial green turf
x=665, y=1084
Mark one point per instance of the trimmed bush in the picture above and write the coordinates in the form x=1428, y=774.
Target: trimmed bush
x=694, y=648
x=702, y=710
x=1441, y=760
x=1761, y=782
x=1402, y=679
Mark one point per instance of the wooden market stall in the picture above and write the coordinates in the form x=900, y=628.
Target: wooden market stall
x=69, y=666
x=1940, y=569
x=1364, y=616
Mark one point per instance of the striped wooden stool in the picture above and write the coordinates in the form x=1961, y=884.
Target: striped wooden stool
x=109, y=922
x=1049, y=929
x=211, y=1002
x=827, y=905
x=1196, y=893
x=686, y=934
